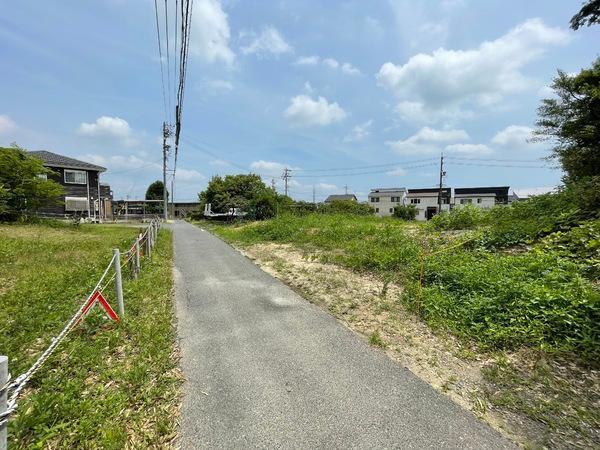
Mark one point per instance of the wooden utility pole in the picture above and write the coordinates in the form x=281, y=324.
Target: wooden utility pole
x=286, y=176
x=442, y=173
x=166, y=134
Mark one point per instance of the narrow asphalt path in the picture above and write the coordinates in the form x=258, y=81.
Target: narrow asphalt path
x=265, y=368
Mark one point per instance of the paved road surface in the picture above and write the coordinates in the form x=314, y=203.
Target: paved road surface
x=265, y=368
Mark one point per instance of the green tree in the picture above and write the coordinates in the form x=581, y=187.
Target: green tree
x=24, y=186
x=246, y=192
x=571, y=121
x=405, y=212
x=155, y=192
x=588, y=15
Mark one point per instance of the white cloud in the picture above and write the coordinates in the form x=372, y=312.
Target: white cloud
x=331, y=63
x=468, y=149
x=216, y=85
x=359, y=132
x=7, y=125
x=308, y=87
x=449, y=79
x=427, y=140
x=268, y=41
x=304, y=111
x=399, y=171
x=350, y=69
x=307, y=61
x=107, y=127
x=515, y=137
x=327, y=187
x=211, y=33
x=270, y=168
x=188, y=176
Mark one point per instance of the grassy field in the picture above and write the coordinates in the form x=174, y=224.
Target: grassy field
x=524, y=298
x=108, y=385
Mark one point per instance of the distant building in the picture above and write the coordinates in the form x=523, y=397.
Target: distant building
x=484, y=197
x=341, y=197
x=426, y=201
x=384, y=200
x=526, y=193
x=84, y=194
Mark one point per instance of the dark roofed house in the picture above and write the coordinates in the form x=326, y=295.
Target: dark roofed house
x=84, y=194
x=341, y=197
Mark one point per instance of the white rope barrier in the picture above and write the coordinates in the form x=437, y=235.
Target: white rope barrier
x=16, y=387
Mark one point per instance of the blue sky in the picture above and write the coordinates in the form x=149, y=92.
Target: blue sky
x=310, y=85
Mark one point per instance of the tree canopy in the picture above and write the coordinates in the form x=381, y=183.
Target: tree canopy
x=246, y=192
x=24, y=186
x=155, y=191
x=588, y=15
x=572, y=122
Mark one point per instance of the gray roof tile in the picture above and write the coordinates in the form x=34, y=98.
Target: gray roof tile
x=55, y=160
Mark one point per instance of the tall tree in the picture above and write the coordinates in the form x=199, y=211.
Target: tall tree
x=572, y=122
x=24, y=184
x=588, y=15
x=155, y=192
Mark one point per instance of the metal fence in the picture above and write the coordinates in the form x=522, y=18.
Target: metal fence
x=141, y=246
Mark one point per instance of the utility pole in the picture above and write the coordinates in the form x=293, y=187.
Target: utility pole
x=442, y=173
x=314, y=201
x=166, y=134
x=286, y=176
x=173, y=196
x=273, y=184
x=346, y=189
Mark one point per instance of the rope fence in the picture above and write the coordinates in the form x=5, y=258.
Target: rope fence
x=142, y=246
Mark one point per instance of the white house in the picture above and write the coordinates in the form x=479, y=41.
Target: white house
x=426, y=201
x=384, y=200
x=483, y=197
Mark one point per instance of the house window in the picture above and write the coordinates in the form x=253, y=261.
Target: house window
x=42, y=176
x=376, y=210
x=396, y=199
x=76, y=203
x=75, y=176
x=415, y=201
x=466, y=200
x=374, y=199
x=478, y=200
x=391, y=210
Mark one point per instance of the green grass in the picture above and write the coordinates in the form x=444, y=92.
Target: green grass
x=108, y=385
x=539, y=297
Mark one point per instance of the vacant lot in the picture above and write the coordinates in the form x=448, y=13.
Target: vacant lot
x=515, y=326
x=108, y=385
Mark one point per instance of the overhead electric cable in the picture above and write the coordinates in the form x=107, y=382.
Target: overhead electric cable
x=162, y=74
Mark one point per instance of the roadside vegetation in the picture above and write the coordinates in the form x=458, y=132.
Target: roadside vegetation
x=108, y=385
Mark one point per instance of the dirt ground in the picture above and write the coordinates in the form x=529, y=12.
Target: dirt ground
x=369, y=307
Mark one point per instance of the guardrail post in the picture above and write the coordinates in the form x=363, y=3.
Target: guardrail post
x=148, y=245
x=3, y=399
x=118, y=282
x=137, y=257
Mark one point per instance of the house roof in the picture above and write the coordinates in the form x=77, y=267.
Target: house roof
x=335, y=197
x=387, y=190
x=445, y=191
x=55, y=160
x=499, y=191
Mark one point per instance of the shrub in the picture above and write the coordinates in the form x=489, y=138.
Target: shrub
x=460, y=218
x=405, y=212
x=506, y=301
x=346, y=207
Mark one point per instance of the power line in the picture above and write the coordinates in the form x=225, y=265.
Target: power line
x=367, y=167
x=162, y=75
x=168, y=58
x=363, y=173
x=516, y=166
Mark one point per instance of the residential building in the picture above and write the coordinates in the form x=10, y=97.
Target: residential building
x=341, y=197
x=426, y=201
x=81, y=181
x=384, y=200
x=483, y=197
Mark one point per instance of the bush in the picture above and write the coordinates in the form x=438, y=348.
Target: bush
x=506, y=301
x=460, y=218
x=405, y=212
x=346, y=207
